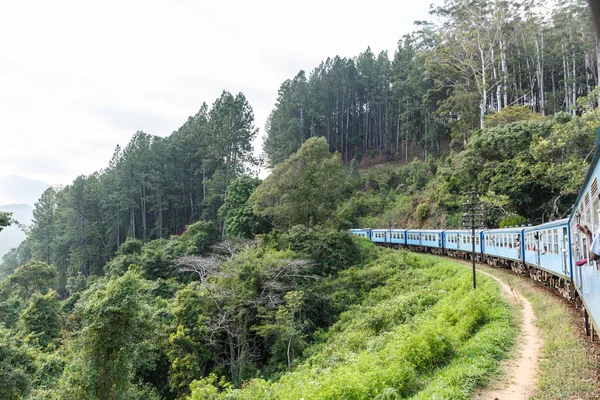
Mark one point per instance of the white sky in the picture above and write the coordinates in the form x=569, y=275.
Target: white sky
x=79, y=77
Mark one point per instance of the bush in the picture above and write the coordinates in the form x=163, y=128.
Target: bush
x=199, y=236
x=513, y=220
x=422, y=211
x=332, y=251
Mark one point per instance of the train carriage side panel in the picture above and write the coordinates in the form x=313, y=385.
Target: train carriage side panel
x=504, y=243
x=425, y=237
x=546, y=247
x=366, y=233
x=586, y=211
x=380, y=236
x=398, y=236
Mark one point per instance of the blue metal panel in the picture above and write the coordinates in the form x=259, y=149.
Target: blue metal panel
x=460, y=239
x=366, y=233
x=586, y=211
x=546, y=246
x=424, y=237
x=504, y=243
x=398, y=236
x=380, y=235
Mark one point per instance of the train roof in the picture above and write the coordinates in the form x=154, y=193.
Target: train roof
x=516, y=229
x=589, y=173
x=425, y=230
x=460, y=230
x=551, y=224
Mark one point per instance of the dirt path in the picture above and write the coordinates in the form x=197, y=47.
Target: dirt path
x=520, y=373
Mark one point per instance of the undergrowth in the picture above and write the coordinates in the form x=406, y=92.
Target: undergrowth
x=423, y=333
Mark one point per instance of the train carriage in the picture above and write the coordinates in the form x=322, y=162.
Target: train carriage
x=398, y=236
x=555, y=253
x=460, y=240
x=505, y=243
x=584, y=272
x=380, y=235
x=546, y=247
x=425, y=237
x=366, y=233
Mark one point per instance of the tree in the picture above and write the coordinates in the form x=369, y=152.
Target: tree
x=33, y=277
x=5, y=219
x=288, y=326
x=510, y=114
x=115, y=320
x=16, y=368
x=303, y=189
x=240, y=220
x=40, y=321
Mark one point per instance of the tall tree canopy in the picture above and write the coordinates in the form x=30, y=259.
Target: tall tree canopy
x=304, y=189
x=152, y=188
x=442, y=82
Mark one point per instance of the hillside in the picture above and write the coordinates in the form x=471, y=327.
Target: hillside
x=174, y=273
x=526, y=171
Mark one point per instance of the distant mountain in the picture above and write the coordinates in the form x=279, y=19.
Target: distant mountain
x=18, y=196
x=13, y=236
x=16, y=189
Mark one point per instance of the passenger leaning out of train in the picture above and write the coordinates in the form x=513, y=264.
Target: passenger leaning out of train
x=594, y=253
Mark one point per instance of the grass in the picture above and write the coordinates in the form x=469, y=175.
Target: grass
x=423, y=334
x=568, y=368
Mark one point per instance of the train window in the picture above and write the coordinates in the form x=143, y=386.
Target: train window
x=556, y=241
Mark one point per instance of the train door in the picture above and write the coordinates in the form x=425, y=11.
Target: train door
x=536, y=236
x=564, y=251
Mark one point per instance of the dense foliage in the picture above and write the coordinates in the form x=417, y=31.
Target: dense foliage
x=151, y=189
x=526, y=171
x=303, y=189
x=417, y=330
x=451, y=76
x=173, y=274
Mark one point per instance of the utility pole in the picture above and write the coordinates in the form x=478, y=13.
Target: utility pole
x=473, y=219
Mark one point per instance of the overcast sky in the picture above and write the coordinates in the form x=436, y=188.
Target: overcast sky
x=79, y=77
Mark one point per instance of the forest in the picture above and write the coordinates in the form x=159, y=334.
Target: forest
x=176, y=273
x=473, y=59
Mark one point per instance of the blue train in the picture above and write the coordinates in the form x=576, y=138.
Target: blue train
x=554, y=253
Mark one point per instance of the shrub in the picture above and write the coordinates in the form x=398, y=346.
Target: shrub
x=422, y=211
x=330, y=250
x=199, y=236
x=513, y=220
